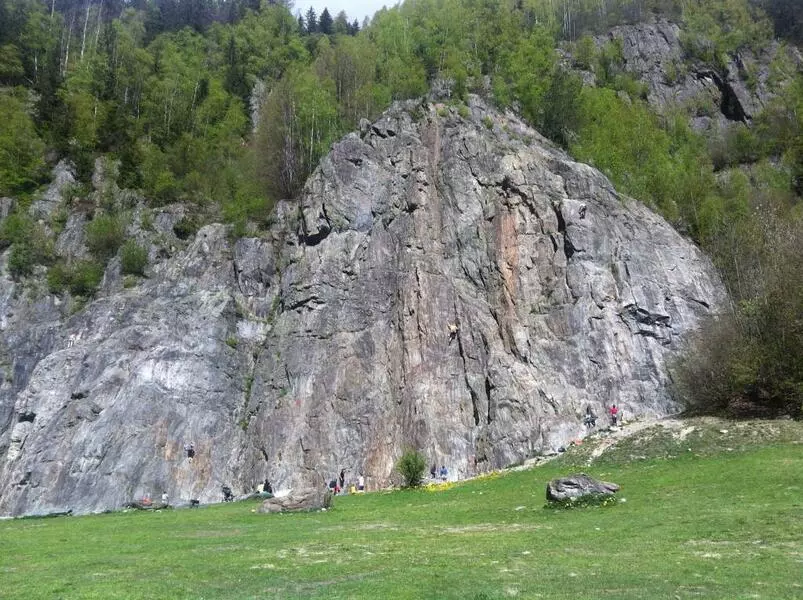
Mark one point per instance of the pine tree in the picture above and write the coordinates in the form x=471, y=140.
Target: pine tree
x=311, y=20
x=325, y=22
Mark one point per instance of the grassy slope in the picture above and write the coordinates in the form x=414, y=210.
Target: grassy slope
x=724, y=525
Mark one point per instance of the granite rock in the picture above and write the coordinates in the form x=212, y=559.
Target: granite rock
x=462, y=289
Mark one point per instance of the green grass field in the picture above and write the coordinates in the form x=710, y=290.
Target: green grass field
x=717, y=524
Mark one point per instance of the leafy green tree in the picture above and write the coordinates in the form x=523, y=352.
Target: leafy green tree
x=11, y=70
x=341, y=24
x=561, y=108
x=411, y=466
x=22, y=162
x=526, y=74
x=300, y=122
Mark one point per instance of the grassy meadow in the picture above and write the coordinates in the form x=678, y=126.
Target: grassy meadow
x=699, y=521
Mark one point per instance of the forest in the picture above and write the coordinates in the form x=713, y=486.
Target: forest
x=228, y=105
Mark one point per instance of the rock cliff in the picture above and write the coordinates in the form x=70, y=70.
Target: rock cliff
x=717, y=96
x=448, y=282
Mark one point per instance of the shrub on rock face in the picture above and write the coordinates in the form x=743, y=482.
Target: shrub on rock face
x=186, y=228
x=104, y=235
x=31, y=246
x=411, y=467
x=81, y=278
x=133, y=258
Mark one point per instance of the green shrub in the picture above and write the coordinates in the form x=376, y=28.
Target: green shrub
x=104, y=235
x=31, y=245
x=186, y=228
x=81, y=278
x=133, y=258
x=16, y=229
x=21, y=260
x=585, y=53
x=411, y=467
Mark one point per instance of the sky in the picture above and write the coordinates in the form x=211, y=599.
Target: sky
x=355, y=9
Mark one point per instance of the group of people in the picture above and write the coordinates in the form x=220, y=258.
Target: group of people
x=435, y=473
x=590, y=419
x=338, y=484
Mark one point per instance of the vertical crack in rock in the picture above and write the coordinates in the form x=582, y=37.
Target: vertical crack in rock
x=729, y=104
x=488, y=389
x=474, y=398
x=568, y=247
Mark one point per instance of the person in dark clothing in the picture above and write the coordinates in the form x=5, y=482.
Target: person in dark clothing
x=228, y=496
x=342, y=478
x=591, y=419
x=190, y=448
x=433, y=471
x=267, y=487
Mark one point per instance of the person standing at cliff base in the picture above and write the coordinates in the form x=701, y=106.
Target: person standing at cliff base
x=361, y=483
x=614, y=415
x=591, y=419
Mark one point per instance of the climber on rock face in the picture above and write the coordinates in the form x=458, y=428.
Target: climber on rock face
x=453, y=331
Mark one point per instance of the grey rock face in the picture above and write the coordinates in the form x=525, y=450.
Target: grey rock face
x=51, y=199
x=578, y=486
x=464, y=290
x=653, y=54
x=6, y=206
x=301, y=500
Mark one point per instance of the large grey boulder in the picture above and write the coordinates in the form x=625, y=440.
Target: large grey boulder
x=299, y=501
x=439, y=284
x=575, y=487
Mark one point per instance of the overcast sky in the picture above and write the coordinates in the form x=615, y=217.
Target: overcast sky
x=355, y=9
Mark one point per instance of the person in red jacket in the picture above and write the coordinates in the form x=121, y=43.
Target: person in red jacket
x=614, y=415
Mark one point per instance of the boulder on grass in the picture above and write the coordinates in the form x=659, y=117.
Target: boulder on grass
x=578, y=486
x=301, y=500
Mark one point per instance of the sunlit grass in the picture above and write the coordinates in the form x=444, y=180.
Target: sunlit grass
x=722, y=526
